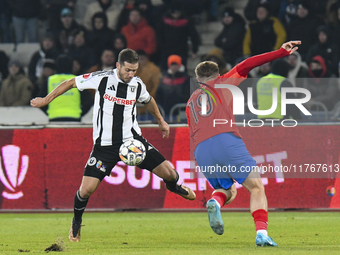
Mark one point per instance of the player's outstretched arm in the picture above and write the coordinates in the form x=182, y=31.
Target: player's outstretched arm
x=59, y=90
x=247, y=65
x=152, y=107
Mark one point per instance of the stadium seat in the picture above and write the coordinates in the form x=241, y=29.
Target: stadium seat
x=177, y=113
x=22, y=51
x=22, y=115
x=146, y=116
x=87, y=118
x=319, y=112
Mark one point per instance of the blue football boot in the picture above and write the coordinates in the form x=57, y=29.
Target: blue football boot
x=215, y=219
x=262, y=240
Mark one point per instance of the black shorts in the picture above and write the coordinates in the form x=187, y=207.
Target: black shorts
x=104, y=158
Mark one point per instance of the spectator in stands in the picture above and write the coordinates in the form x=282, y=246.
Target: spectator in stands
x=139, y=35
x=216, y=55
x=174, y=87
x=70, y=27
x=303, y=28
x=53, y=9
x=107, y=61
x=119, y=43
x=298, y=68
x=334, y=24
x=251, y=8
x=288, y=11
x=264, y=34
x=79, y=50
x=5, y=17
x=147, y=11
x=16, y=89
x=123, y=18
x=3, y=66
x=322, y=90
x=109, y=7
x=76, y=69
x=149, y=73
x=25, y=19
x=71, y=105
x=232, y=35
x=325, y=48
x=261, y=71
x=47, y=51
x=174, y=32
x=101, y=36
x=49, y=69
x=264, y=92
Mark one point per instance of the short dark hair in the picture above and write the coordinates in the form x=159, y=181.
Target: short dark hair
x=206, y=69
x=128, y=55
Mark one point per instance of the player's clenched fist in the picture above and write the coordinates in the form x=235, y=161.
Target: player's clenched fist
x=38, y=102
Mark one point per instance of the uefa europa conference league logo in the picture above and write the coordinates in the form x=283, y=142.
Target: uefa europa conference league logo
x=10, y=175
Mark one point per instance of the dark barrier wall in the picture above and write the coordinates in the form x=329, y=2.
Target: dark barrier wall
x=42, y=169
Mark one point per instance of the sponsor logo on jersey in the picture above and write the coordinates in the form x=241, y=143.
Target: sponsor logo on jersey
x=87, y=75
x=112, y=88
x=119, y=100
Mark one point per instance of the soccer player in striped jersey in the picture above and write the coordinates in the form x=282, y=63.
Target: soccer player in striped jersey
x=114, y=122
x=222, y=145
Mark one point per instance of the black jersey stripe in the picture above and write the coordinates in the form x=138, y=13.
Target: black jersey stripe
x=139, y=90
x=101, y=89
x=121, y=90
x=118, y=113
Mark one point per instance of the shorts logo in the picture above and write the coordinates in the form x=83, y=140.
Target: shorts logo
x=100, y=166
x=92, y=161
x=150, y=147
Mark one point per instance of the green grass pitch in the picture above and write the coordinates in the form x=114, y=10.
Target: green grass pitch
x=169, y=233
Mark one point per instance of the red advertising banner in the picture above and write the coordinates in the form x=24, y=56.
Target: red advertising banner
x=43, y=168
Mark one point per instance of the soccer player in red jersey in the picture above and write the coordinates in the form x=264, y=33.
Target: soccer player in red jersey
x=222, y=145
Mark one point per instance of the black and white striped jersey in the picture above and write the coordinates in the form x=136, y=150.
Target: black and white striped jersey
x=114, y=110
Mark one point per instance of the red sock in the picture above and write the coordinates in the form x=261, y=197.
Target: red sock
x=261, y=219
x=220, y=197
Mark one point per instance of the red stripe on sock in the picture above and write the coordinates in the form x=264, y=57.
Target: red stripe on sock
x=261, y=219
x=220, y=197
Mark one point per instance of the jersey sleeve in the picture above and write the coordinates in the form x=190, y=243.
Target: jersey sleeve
x=187, y=112
x=144, y=96
x=88, y=81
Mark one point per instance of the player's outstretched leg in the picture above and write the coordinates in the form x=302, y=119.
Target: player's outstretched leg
x=170, y=177
x=218, y=199
x=258, y=208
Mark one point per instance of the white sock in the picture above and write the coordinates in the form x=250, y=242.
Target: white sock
x=262, y=231
x=218, y=204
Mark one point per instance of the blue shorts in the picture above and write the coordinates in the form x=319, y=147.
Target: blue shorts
x=222, y=159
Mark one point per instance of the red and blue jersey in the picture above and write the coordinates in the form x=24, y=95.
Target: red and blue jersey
x=219, y=105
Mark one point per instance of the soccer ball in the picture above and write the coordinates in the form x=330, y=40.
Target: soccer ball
x=132, y=152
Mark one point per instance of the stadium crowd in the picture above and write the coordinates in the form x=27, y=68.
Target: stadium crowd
x=166, y=36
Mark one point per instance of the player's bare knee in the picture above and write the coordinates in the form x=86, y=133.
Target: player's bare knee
x=86, y=192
